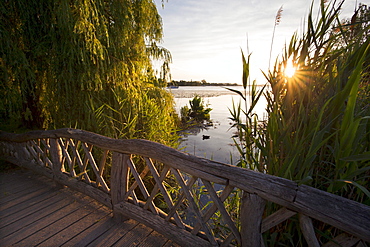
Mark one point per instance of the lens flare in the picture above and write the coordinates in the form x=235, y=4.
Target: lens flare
x=290, y=69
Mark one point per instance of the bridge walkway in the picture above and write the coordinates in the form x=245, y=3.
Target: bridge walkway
x=33, y=212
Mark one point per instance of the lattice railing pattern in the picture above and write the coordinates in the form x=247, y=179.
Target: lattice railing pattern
x=191, y=200
x=73, y=157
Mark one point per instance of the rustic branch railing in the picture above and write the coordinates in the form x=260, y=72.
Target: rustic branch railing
x=138, y=179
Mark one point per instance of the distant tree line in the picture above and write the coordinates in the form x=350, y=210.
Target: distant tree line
x=199, y=83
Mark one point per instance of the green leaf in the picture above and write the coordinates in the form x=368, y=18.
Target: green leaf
x=362, y=188
x=245, y=70
x=256, y=98
x=236, y=91
x=306, y=180
x=358, y=157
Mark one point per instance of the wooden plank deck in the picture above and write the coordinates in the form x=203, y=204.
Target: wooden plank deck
x=34, y=213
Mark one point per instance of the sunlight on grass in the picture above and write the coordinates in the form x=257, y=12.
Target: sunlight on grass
x=290, y=69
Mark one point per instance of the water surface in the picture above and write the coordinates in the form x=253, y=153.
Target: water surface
x=220, y=145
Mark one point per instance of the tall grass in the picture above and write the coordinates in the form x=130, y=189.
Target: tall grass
x=146, y=112
x=317, y=131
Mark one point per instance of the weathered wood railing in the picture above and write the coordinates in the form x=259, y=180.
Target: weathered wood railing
x=135, y=178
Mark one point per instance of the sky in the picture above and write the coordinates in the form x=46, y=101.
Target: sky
x=205, y=37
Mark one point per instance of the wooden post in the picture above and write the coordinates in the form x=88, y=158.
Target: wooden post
x=22, y=152
x=56, y=158
x=308, y=231
x=119, y=182
x=252, y=208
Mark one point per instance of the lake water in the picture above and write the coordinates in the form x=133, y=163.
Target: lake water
x=220, y=145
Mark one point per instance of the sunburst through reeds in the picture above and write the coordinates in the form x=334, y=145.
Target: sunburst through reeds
x=290, y=69
x=316, y=132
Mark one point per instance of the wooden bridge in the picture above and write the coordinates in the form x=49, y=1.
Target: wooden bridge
x=148, y=193
x=34, y=213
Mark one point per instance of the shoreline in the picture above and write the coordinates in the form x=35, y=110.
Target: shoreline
x=202, y=91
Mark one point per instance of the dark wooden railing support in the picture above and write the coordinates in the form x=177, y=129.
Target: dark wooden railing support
x=308, y=231
x=252, y=208
x=119, y=182
x=56, y=159
x=21, y=151
x=49, y=152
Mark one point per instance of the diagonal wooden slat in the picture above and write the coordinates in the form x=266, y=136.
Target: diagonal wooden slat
x=131, y=190
x=46, y=144
x=344, y=240
x=163, y=190
x=221, y=207
x=227, y=241
x=73, y=157
x=77, y=157
x=102, y=163
x=181, y=199
x=218, y=204
x=95, y=167
x=45, y=151
x=132, y=196
x=85, y=162
x=66, y=156
x=36, y=150
x=193, y=206
x=37, y=147
x=308, y=230
x=141, y=184
x=225, y=193
x=35, y=155
x=30, y=150
x=63, y=160
x=153, y=194
x=24, y=151
x=343, y=214
x=276, y=218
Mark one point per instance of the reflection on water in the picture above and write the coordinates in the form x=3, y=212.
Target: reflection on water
x=214, y=142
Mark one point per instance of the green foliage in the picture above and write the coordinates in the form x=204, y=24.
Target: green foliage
x=74, y=63
x=355, y=29
x=198, y=111
x=184, y=113
x=313, y=133
x=313, y=127
x=149, y=115
x=317, y=130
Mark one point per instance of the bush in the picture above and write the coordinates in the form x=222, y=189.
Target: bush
x=197, y=113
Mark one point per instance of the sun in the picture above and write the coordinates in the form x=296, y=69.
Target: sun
x=290, y=69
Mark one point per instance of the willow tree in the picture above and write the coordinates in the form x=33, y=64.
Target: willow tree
x=83, y=64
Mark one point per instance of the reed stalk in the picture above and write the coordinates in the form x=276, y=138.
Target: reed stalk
x=317, y=131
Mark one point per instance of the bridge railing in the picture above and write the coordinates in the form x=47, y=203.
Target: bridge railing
x=193, y=201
